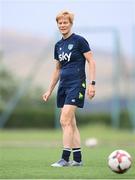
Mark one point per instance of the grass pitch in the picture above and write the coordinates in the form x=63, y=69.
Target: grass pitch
x=27, y=154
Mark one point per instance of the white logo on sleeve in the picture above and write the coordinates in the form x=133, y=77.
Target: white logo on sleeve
x=65, y=56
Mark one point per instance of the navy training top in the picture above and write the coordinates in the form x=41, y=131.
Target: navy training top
x=69, y=52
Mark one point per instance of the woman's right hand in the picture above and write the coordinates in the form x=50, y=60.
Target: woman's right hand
x=46, y=95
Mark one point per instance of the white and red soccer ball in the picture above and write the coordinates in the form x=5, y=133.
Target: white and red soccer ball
x=119, y=161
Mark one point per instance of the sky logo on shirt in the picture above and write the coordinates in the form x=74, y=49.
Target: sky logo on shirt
x=64, y=56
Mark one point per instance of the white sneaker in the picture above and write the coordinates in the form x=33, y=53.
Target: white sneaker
x=60, y=163
x=74, y=163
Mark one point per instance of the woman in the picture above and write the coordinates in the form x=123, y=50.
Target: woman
x=71, y=53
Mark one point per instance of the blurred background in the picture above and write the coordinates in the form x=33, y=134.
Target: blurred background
x=28, y=32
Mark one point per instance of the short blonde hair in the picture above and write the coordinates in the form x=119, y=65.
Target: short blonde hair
x=67, y=14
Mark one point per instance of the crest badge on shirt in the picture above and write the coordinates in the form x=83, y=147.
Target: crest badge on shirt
x=70, y=46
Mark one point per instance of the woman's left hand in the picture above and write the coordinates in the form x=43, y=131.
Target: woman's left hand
x=91, y=91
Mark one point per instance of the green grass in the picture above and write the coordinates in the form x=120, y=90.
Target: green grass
x=27, y=154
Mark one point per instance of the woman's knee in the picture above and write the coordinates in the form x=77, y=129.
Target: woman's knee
x=66, y=118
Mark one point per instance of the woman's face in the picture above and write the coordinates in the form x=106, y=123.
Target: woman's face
x=64, y=25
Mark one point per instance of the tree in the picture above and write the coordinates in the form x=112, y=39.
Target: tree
x=8, y=83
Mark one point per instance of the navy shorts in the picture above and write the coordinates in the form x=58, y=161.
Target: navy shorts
x=73, y=95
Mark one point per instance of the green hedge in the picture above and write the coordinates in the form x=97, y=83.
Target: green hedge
x=43, y=117
x=105, y=118
x=93, y=118
x=31, y=118
x=125, y=120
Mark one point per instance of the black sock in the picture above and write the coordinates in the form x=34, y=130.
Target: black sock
x=77, y=156
x=66, y=153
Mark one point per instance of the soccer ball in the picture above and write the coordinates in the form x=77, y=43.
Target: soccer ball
x=91, y=142
x=119, y=161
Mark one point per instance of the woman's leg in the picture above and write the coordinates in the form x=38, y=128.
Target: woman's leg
x=76, y=146
x=76, y=142
x=71, y=136
x=66, y=121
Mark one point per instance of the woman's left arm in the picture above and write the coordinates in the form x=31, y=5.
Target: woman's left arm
x=92, y=74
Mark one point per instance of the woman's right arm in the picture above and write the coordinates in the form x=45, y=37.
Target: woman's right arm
x=54, y=80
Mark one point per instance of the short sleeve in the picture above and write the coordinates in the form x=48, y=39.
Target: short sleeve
x=56, y=52
x=83, y=45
